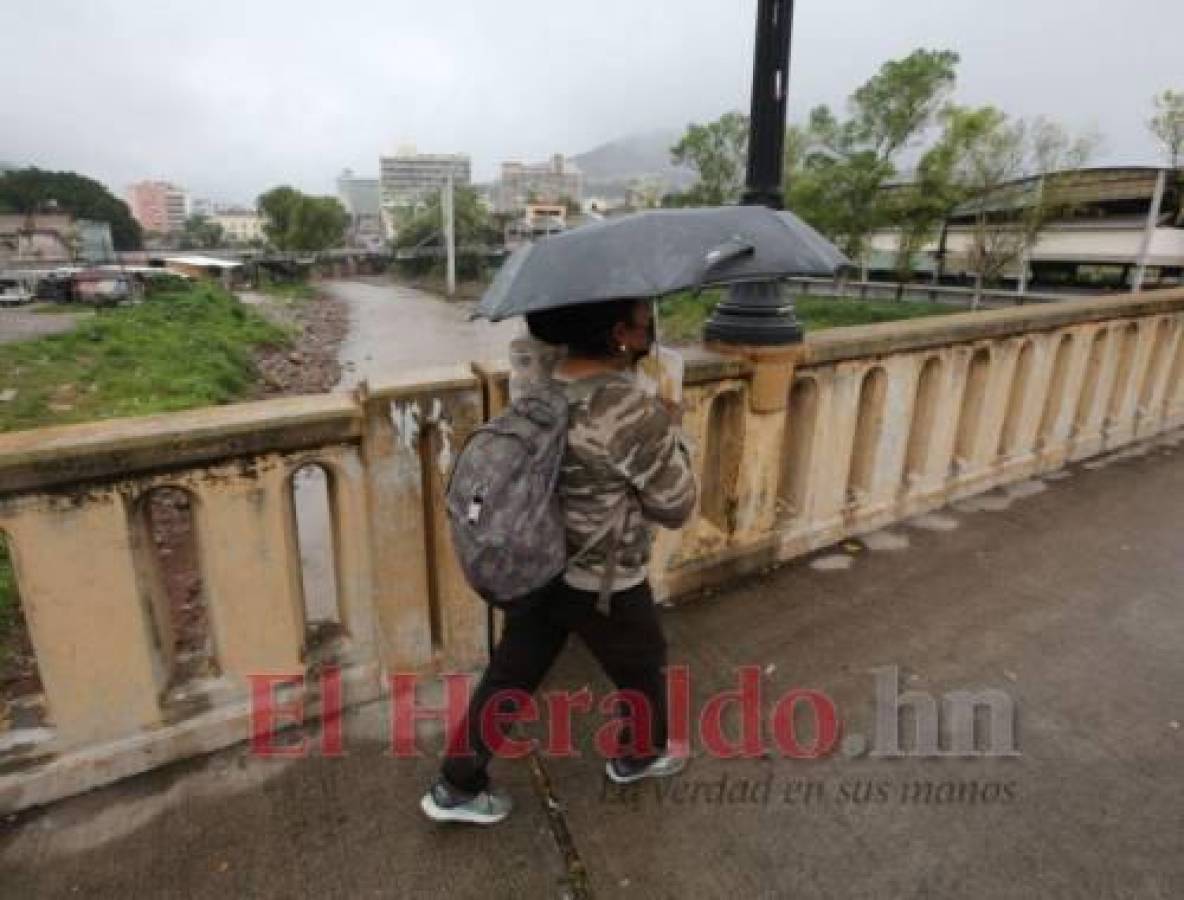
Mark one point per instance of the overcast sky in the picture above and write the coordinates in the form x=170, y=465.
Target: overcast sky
x=230, y=98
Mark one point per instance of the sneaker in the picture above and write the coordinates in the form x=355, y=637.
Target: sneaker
x=624, y=770
x=443, y=804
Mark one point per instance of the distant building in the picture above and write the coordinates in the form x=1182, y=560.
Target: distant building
x=362, y=198
x=158, y=206
x=554, y=181
x=408, y=179
x=203, y=206
x=1113, y=224
x=537, y=221
x=239, y=226
x=93, y=242
x=53, y=239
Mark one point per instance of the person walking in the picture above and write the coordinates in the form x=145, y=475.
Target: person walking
x=624, y=458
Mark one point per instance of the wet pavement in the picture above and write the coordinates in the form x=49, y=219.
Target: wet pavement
x=1062, y=593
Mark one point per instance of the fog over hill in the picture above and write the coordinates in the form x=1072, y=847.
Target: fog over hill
x=609, y=168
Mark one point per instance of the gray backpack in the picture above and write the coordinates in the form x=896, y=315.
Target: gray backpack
x=502, y=501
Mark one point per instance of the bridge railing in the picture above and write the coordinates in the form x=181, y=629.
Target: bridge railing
x=873, y=424
x=881, y=423
x=919, y=292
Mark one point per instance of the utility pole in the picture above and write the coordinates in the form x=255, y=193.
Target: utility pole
x=1149, y=231
x=761, y=314
x=447, y=205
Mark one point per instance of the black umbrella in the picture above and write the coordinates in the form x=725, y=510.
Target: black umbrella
x=649, y=254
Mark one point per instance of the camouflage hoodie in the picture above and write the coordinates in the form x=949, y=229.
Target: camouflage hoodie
x=622, y=448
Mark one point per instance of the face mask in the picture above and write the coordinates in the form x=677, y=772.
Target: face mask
x=636, y=356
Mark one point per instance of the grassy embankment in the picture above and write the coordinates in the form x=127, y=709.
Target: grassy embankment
x=183, y=349
x=682, y=315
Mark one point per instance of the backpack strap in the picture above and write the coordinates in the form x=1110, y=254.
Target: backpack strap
x=613, y=525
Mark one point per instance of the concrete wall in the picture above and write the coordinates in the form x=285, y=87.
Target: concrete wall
x=795, y=449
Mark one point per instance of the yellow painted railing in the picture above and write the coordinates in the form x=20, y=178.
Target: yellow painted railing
x=868, y=425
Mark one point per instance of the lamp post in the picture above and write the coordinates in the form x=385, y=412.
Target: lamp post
x=761, y=314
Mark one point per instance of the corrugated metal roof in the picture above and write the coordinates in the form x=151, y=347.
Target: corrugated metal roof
x=1070, y=188
x=205, y=262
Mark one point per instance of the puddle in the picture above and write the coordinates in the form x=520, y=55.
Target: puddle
x=885, y=540
x=934, y=522
x=834, y=562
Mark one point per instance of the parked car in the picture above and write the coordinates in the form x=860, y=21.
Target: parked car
x=14, y=293
x=103, y=287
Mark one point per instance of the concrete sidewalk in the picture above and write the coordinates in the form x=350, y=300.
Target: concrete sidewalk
x=1066, y=594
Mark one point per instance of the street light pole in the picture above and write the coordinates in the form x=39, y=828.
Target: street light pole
x=448, y=210
x=761, y=313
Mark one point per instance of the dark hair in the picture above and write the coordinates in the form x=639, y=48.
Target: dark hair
x=586, y=329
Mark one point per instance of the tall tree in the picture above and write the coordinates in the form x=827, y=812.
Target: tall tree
x=32, y=190
x=718, y=152
x=1012, y=175
x=423, y=227
x=199, y=233
x=296, y=221
x=902, y=100
x=920, y=207
x=843, y=164
x=278, y=208
x=1168, y=124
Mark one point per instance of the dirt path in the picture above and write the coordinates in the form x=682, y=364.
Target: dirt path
x=311, y=366
x=22, y=325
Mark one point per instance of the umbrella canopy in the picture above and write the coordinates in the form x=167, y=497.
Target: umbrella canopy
x=652, y=253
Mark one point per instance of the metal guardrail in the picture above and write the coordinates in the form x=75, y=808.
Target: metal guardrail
x=930, y=293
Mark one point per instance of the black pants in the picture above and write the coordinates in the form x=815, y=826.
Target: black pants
x=628, y=644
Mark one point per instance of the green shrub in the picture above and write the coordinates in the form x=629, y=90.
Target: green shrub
x=176, y=350
x=681, y=316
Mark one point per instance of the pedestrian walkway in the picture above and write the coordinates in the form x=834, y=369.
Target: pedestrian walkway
x=1065, y=594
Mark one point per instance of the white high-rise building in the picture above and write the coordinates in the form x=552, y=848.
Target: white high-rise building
x=361, y=198
x=521, y=184
x=409, y=178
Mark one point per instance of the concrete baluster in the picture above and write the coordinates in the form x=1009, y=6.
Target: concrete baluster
x=1067, y=355
x=1097, y=383
x=414, y=430
x=796, y=484
x=1133, y=345
x=838, y=408
x=398, y=542
x=1174, y=394
x=981, y=411
x=1030, y=377
x=900, y=395
x=462, y=621
x=947, y=372
x=88, y=616
x=353, y=563
x=250, y=567
x=1169, y=393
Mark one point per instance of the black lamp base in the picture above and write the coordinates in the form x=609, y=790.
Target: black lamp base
x=757, y=313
